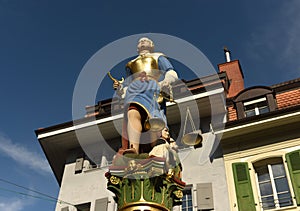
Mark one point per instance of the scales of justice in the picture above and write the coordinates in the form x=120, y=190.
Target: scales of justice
x=146, y=171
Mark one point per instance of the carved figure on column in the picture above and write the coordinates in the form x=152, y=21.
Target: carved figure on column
x=148, y=74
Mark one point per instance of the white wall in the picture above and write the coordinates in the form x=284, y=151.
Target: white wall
x=83, y=187
x=206, y=165
x=202, y=165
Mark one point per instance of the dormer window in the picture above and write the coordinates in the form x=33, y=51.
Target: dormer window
x=254, y=101
x=256, y=107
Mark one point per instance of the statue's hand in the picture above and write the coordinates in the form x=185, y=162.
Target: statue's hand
x=164, y=84
x=116, y=85
x=166, y=90
x=119, y=88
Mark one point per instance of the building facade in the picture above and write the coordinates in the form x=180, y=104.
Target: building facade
x=249, y=158
x=261, y=148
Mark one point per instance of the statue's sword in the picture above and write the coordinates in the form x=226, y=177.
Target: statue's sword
x=114, y=79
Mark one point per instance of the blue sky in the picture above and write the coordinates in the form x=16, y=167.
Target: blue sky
x=45, y=44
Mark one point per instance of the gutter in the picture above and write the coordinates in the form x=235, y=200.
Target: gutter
x=257, y=123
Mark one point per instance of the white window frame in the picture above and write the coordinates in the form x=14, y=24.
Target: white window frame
x=256, y=109
x=275, y=192
x=188, y=188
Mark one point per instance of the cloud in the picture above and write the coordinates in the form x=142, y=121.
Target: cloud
x=23, y=156
x=13, y=204
x=277, y=37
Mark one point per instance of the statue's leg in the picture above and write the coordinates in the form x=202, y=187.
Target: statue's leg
x=134, y=128
x=125, y=142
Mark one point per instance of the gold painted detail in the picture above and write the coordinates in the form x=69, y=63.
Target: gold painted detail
x=178, y=194
x=143, y=206
x=151, y=193
x=114, y=180
x=147, y=63
x=144, y=186
x=114, y=79
x=170, y=174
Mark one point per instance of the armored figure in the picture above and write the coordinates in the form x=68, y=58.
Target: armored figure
x=147, y=74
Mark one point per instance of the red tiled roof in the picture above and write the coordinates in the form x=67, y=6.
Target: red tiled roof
x=231, y=113
x=287, y=95
x=288, y=99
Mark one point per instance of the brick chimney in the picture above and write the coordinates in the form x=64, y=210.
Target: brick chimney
x=235, y=74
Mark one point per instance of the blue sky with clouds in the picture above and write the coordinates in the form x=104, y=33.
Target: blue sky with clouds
x=44, y=45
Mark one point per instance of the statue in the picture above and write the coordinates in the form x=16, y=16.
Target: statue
x=167, y=148
x=146, y=176
x=142, y=90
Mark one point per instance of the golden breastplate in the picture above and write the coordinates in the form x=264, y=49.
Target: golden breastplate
x=146, y=63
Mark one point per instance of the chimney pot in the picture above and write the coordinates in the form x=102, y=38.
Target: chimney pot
x=227, y=54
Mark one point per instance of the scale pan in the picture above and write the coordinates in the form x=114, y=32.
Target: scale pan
x=193, y=138
x=155, y=124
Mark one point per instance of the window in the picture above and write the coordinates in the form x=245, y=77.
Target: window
x=274, y=191
x=83, y=207
x=254, y=101
x=187, y=202
x=256, y=107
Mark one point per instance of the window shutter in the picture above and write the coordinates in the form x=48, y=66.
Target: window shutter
x=240, y=110
x=205, y=196
x=101, y=204
x=79, y=165
x=293, y=161
x=243, y=187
